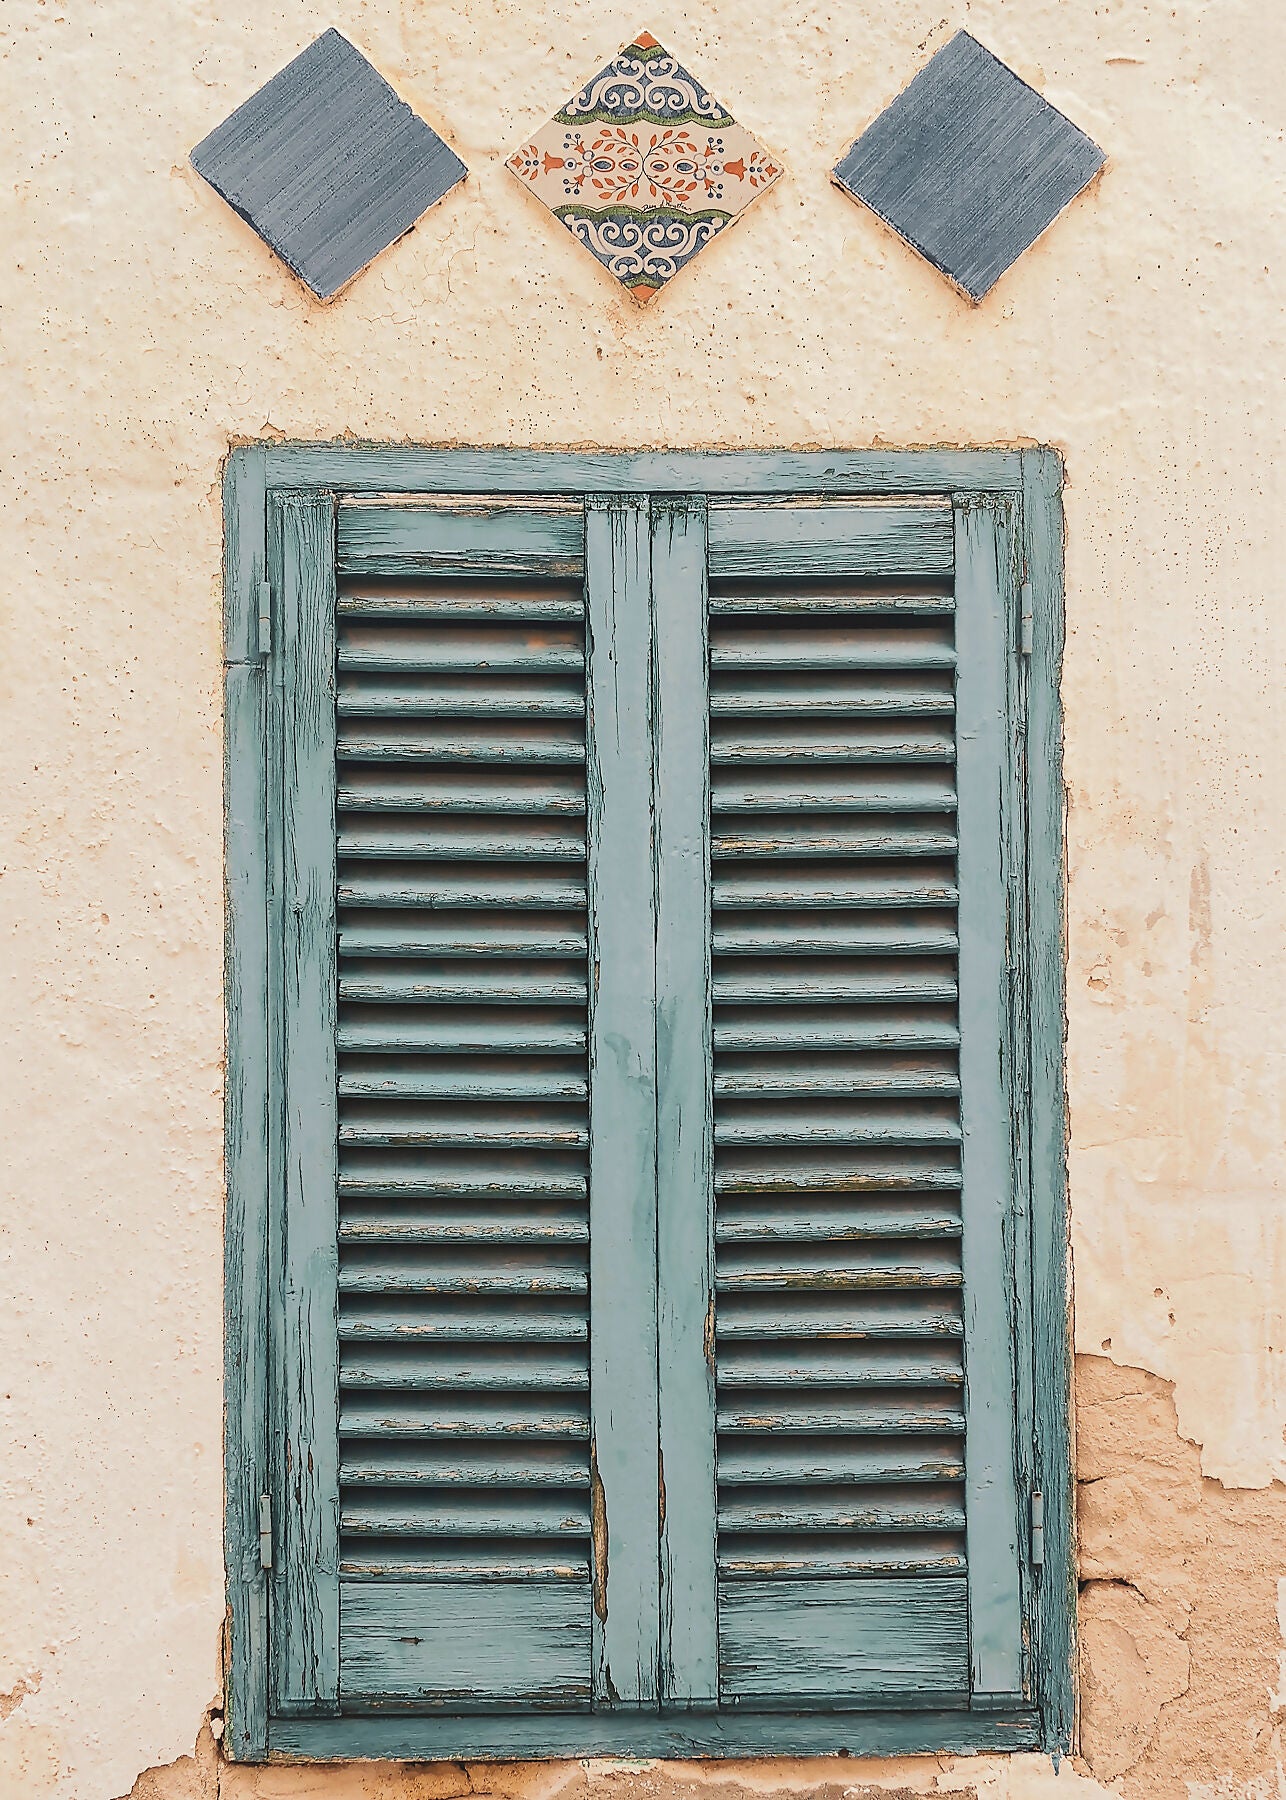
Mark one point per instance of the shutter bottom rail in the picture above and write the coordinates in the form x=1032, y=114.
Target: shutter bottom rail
x=383, y=1733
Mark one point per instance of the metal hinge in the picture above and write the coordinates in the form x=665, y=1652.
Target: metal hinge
x=265, y=620
x=265, y=1531
x=1027, y=624
x=1038, y=1529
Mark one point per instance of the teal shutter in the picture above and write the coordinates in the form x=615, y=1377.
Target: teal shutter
x=685, y=1143
x=302, y=1121
x=436, y=1519
x=622, y=1074
x=645, y=1153
x=867, y=1521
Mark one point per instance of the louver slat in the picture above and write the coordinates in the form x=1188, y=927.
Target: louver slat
x=463, y=1113
x=837, y=1126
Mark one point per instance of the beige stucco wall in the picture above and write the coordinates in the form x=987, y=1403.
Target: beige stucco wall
x=145, y=329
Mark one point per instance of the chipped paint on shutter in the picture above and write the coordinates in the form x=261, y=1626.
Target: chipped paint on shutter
x=861, y=1557
x=463, y=1107
x=302, y=1124
x=841, y=1519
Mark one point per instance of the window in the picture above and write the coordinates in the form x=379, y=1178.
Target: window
x=646, y=1279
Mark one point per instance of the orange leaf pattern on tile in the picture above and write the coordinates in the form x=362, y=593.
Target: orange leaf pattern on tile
x=644, y=166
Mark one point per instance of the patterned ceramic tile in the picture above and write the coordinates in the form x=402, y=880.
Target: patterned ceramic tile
x=327, y=164
x=644, y=166
x=969, y=165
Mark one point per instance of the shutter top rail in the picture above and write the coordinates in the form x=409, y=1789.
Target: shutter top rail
x=390, y=471
x=487, y=539
x=831, y=539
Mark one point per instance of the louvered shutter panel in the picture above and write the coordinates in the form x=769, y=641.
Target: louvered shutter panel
x=866, y=1530
x=437, y=1481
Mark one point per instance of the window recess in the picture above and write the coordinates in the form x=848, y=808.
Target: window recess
x=650, y=1252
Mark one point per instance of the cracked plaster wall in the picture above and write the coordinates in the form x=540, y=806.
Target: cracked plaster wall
x=145, y=328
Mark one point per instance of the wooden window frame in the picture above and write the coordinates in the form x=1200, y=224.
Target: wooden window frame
x=1031, y=481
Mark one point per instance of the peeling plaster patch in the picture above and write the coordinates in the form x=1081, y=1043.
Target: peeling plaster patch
x=1176, y=1133
x=991, y=1777
x=347, y=1781
x=770, y=1779
x=815, y=1778
x=11, y=1700
x=1265, y=1787
x=194, y=1777
x=1182, y=1624
x=29, y=1761
x=1183, y=1662
x=1134, y=1663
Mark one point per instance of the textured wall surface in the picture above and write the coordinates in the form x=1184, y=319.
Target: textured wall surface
x=146, y=328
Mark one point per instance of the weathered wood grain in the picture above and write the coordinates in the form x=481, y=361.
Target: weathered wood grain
x=685, y=1143
x=244, y=550
x=985, y=602
x=500, y=1641
x=822, y=1641
x=829, y=540
x=622, y=1104
x=306, y=1587
x=1056, y=1588
x=391, y=470
x=458, y=539
x=1019, y=1053
x=850, y=1206
x=246, y=1298
x=246, y=1292
x=902, y=1299
x=502, y=1737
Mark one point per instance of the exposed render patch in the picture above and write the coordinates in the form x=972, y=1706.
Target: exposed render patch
x=1140, y=1664
x=13, y=1698
x=1179, y=1628
x=194, y=1777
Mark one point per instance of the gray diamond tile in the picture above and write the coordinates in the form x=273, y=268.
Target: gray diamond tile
x=327, y=164
x=969, y=165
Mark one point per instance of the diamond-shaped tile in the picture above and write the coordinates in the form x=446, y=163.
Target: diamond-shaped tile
x=327, y=164
x=644, y=166
x=969, y=164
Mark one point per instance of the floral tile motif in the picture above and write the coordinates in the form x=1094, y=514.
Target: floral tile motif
x=644, y=166
x=969, y=165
